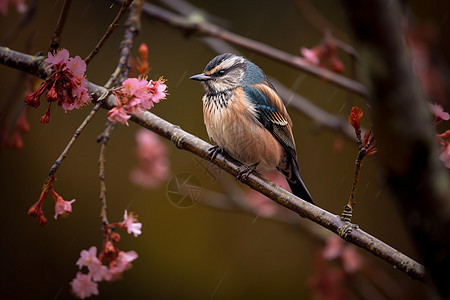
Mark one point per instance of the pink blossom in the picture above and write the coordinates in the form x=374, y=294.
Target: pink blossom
x=444, y=156
x=118, y=114
x=333, y=247
x=62, y=207
x=127, y=257
x=76, y=65
x=121, y=264
x=67, y=84
x=336, y=248
x=99, y=272
x=153, y=163
x=88, y=258
x=311, y=55
x=134, y=106
x=158, y=89
x=129, y=222
x=444, y=135
x=439, y=113
x=58, y=60
x=21, y=7
x=137, y=95
x=135, y=87
x=83, y=286
x=351, y=260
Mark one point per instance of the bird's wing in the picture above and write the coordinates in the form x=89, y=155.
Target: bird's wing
x=272, y=115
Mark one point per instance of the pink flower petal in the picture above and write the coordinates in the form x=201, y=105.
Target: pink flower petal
x=60, y=58
x=118, y=114
x=88, y=258
x=129, y=222
x=83, y=287
x=310, y=55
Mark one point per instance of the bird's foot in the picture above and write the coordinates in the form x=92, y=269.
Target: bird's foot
x=242, y=175
x=213, y=151
x=345, y=229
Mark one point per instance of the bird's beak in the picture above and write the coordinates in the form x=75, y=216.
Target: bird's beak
x=201, y=77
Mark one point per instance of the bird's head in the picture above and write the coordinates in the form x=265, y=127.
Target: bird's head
x=228, y=71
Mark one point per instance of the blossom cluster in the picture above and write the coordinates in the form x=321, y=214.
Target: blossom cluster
x=85, y=285
x=330, y=281
x=153, y=163
x=21, y=7
x=67, y=85
x=135, y=96
x=62, y=207
x=324, y=55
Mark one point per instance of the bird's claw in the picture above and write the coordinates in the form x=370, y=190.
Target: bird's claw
x=243, y=175
x=213, y=151
x=345, y=229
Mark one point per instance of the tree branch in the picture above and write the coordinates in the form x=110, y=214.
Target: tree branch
x=186, y=141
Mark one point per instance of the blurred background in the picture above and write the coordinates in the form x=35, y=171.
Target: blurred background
x=194, y=252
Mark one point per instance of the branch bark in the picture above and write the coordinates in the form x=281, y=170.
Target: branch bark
x=405, y=134
x=186, y=141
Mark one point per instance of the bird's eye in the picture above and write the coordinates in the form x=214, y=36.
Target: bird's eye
x=221, y=72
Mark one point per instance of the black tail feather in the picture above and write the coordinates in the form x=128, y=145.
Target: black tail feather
x=296, y=183
x=299, y=189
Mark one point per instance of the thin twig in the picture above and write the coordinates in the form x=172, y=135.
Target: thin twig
x=109, y=31
x=103, y=139
x=56, y=37
x=204, y=28
x=347, y=213
x=77, y=133
x=193, y=144
x=132, y=27
x=366, y=147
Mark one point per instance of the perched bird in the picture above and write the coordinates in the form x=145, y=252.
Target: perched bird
x=245, y=116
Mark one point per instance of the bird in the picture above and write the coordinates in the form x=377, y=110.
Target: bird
x=247, y=119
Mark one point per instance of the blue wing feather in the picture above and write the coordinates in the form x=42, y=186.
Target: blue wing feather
x=271, y=118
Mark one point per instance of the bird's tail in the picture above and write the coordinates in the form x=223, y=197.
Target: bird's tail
x=296, y=183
